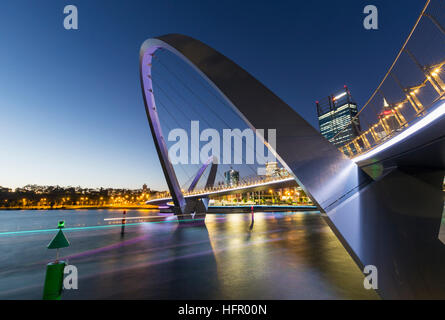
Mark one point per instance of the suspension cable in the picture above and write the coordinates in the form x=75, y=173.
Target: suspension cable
x=204, y=104
x=165, y=94
x=392, y=66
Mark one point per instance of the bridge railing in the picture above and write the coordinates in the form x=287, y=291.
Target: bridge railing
x=413, y=84
x=246, y=182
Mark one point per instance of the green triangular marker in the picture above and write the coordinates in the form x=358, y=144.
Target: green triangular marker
x=59, y=241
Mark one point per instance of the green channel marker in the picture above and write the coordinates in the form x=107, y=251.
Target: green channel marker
x=52, y=289
x=53, y=280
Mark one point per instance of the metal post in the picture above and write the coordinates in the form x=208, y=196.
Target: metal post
x=426, y=71
x=357, y=146
x=384, y=127
x=374, y=135
x=399, y=116
x=348, y=147
x=365, y=140
x=436, y=23
x=405, y=91
x=417, y=101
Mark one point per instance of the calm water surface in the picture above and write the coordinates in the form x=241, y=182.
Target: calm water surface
x=282, y=256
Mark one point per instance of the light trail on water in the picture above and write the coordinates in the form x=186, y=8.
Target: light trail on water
x=24, y=232
x=27, y=232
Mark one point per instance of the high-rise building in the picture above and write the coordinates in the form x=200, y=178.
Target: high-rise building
x=272, y=169
x=336, y=118
x=231, y=177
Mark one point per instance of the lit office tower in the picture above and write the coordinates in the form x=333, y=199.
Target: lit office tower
x=272, y=169
x=335, y=115
x=231, y=177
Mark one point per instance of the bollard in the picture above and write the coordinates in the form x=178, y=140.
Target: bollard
x=52, y=289
x=252, y=215
x=123, y=222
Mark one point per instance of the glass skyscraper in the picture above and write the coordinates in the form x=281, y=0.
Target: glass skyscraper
x=231, y=178
x=335, y=116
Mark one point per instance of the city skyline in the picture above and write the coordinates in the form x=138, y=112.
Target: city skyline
x=65, y=128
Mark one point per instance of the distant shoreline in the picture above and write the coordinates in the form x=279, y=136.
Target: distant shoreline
x=212, y=209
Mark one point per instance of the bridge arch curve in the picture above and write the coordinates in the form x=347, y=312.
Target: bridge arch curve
x=301, y=149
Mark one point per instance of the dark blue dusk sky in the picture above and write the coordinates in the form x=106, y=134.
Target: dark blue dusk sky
x=71, y=107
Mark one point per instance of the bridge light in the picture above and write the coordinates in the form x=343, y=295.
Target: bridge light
x=425, y=121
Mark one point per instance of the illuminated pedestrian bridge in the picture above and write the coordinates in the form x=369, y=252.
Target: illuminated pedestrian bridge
x=251, y=185
x=381, y=193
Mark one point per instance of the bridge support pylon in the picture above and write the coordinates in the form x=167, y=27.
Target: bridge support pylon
x=195, y=211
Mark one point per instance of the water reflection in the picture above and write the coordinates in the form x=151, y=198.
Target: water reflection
x=233, y=256
x=284, y=256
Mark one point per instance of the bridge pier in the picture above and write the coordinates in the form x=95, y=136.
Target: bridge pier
x=194, y=212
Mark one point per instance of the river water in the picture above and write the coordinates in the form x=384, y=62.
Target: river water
x=281, y=256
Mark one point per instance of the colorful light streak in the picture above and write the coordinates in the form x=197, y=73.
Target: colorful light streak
x=186, y=256
x=144, y=237
x=89, y=228
x=24, y=232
